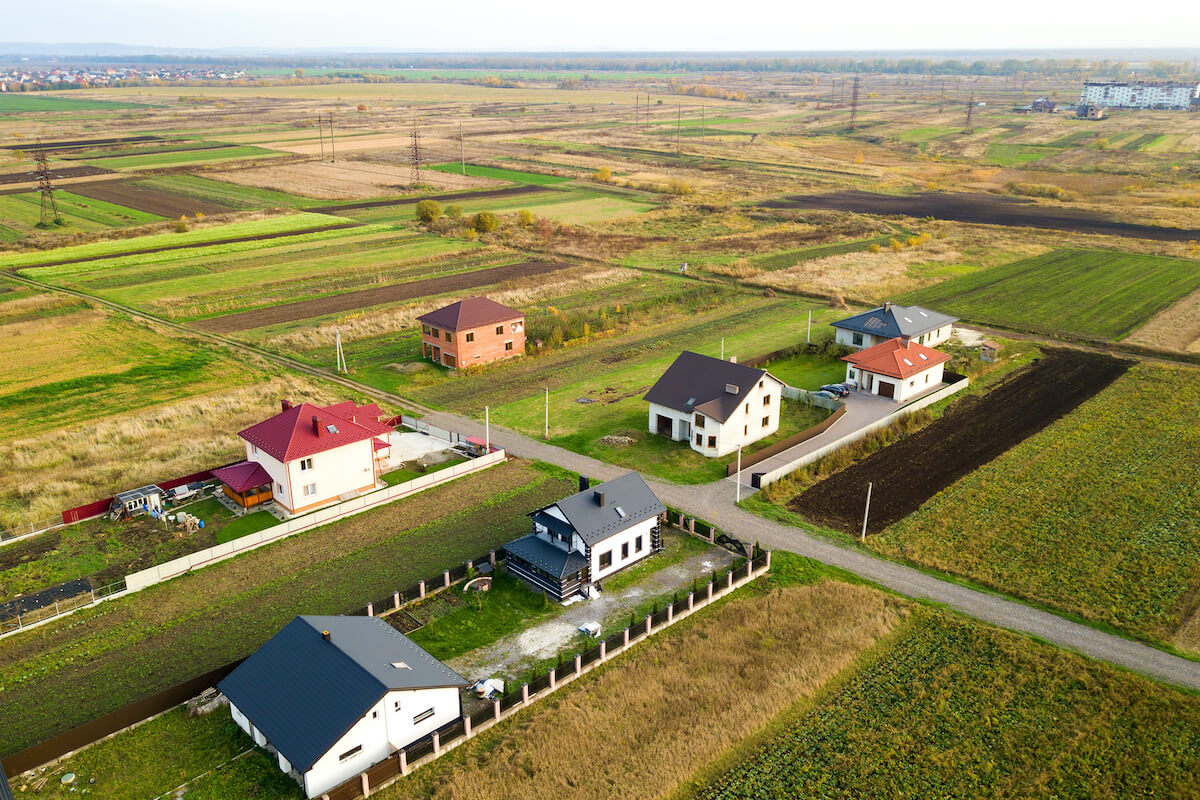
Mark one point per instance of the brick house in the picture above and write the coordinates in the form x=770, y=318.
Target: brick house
x=472, y=331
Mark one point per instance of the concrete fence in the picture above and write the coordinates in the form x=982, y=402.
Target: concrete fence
x=767, y=478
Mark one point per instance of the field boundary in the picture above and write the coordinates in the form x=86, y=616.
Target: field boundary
x=767, y=478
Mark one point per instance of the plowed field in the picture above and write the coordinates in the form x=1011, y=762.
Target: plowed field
x=148, y=200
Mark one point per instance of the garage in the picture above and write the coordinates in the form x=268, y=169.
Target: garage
x=887, y=389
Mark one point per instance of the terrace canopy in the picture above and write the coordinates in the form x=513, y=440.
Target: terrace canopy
x=246, y=483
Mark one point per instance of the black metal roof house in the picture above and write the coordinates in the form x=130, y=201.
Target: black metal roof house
x=711, y=386
x=890, y=321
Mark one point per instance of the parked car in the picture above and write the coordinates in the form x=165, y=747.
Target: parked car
x=836, y=388
x=828, y=394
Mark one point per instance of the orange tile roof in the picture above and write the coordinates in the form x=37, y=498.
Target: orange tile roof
x=895, y=360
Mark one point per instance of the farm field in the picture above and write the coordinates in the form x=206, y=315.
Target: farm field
x=1081, y=293
x=178, y=158
x=229, y=195
x=972, y=711
x=43, y=103
x=477, y=171
x=971, y=433
x=20, y=215
x=67, y=672
x=145, y=199
x=1095, y=516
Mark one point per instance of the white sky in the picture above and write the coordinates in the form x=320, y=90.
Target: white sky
x=566, y=25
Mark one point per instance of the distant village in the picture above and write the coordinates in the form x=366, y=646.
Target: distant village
x=18, y=79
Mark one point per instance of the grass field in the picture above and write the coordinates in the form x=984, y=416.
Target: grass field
x=807, y=371
x=22, y=103
x=67, y=672
x=1011, y=154
x=1095, y=516
x=476, y=171
x=21, y=213
x=951, y=708
x=183, y=157
x=1087, y=293
x=230, y=195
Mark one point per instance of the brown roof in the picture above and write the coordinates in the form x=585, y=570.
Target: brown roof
x=474, y=312
x=701, y=383
x=896, y=358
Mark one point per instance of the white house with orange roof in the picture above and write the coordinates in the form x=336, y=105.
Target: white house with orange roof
x=309, y=456
x=898, y=368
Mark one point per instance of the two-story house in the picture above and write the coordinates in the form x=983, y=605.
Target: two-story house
x=582, y=539
x=472, y=331
x=716, y=406
x=890, y=321
x=330, y=697
x=898, y=368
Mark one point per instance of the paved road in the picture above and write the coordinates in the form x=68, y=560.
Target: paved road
x=714, y=502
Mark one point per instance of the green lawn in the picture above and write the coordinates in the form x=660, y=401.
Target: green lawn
x=1009, y=154
x=476, y=171
x=404, y=474
x=248, y=523
x=1087, y=293
x=807, y=370
x=184, y=157
x=917, y=135
x=24, y=102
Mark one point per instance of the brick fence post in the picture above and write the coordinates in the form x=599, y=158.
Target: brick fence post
x=649, y=623
x=496, y=710
x=467, y=725
x=603, y=649
x=692, y=526
x=524, y=694
x=768, y=559
x=446, y=578
x=421, y=587
x=370, y=609
x=626, y=635
x=366, y=785
x=492, y=557
x=729, y=579
x=670, y=611
x=691, y=600
x=403, y=756
x=709, y=588
x=396, y=600
x=749, y=568
x=437, y=743
x=553, y=679
x=578, y=663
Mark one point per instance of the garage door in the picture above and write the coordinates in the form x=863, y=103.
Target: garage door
x=887, y=389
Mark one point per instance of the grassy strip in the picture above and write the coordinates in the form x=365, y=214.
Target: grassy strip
x=230, y=195
x=184, y=157
x=476, y=171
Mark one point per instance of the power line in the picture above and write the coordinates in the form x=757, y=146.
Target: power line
x=415, y=153
x=49, y=204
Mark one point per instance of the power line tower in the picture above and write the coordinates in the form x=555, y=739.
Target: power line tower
x=415, y=153
x=854, y=103
x=970, y=110
x=49, y=204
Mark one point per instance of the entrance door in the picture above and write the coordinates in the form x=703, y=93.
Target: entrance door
x=685, y=430
x=664, y=426
x=437, y=354
x=887, y=389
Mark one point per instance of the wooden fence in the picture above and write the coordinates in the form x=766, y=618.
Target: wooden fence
x=800, y=438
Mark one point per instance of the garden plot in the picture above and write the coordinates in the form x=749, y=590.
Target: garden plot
x=343, y=180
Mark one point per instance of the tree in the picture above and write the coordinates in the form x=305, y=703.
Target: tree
x=524, y=217
x=299, y=73
x=602, y=175
x=485, y=222
x=181, y=224
x=428, y=210
x=454, y=212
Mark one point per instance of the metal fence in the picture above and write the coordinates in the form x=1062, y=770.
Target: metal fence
x=27, y=528
x=15, y=622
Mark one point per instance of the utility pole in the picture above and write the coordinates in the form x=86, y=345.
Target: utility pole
x=332, y=149
x=854, y=103
x=462, y=150
x=321, y=135
x=970, y=110
x=415, y=153
x=487, y=428
x=737, y=482
x=49, y=204
x=341, y=356
x=808, y=334
x=866, y=513
x=942, y=99
x=546, y=430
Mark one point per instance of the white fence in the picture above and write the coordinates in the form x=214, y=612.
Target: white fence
x=767, y=478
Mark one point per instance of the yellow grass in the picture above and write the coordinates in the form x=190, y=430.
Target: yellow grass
x=344, y=180
x=660, y=714
x=1177, y=328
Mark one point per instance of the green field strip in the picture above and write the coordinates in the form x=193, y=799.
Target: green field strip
x=42, y=102
x=186, y=157
x=476, y=171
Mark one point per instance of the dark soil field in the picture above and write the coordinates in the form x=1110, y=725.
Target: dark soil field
x=351, y=301
x=148, y=200
x=59, y=174
x=76, y=143
x=441, y=198
x=984, y=210
x=973, y=431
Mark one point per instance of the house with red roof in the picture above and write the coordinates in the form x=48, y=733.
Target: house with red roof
x=307, y=456
x=472, y=331
x=898, y=368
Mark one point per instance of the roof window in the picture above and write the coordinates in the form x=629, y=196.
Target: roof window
x=906, y=361
x=400, y=665
x=621, y=512
x=331, y=428
x=923, y=356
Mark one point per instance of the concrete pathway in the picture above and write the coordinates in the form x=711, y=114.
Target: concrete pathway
x=714, y=502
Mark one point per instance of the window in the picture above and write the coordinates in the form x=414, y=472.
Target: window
x=425, y=329
x=699, y=440
x=766, y=421
x=351, y=753
x=279, y=488
x=745, y=430
x=447, y=336
x=637, y=545
x=910, y=383
x=699, y=422
x=712, y=441
x=856, y=339
x=927, y=378
x=374, y=715
x=434, y=332
x=508, y=345
x=471, y=336
x=747, y=408
x=424, y=715
x=766, y=399
x=499, y=330
x=310, y=489
x=606, y=559
x=396, y=706
x=624, y=551
x=305, y=464
x=760, y=384
x=254, y=449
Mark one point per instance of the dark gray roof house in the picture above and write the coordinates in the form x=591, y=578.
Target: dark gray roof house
x=711, y=386
x=890, y=321
x=312, y=681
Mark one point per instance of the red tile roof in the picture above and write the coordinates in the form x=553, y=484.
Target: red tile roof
x=894, y=359
x=293, y=433
x=243, y=477
x=474, y=312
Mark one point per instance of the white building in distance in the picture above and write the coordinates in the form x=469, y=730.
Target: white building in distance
x=1139, y=94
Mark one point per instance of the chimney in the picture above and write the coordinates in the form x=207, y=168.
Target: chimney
x=584, y=483
x=287, y=404
x=887, y=306
x=733, y=359
x=599, y=498
x=905, y=341
x=325, y=635
x=316, y=426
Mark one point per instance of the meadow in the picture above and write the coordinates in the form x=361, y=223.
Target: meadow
x=25, y=103
x=1095, y=516
x=1080, y=293
x=178, y=158
x=20, y=215
x=477, y=171
x=67, y=672
x=230, y=195
x=972, y=711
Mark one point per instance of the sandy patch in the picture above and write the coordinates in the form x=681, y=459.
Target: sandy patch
x=1177, y=328
x=343, y=180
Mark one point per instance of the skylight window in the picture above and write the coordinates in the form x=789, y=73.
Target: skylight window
x=691, y=401
x=621, y=512
x=906, y=361
x=400, y=665
x=923, y=356
x=908, y=319
x=922, y=313
x=331, y=428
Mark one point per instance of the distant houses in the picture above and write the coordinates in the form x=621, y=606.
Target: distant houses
x=1180, y=95
x=898, y=368
x=891, y=321
x=471, y=332
x=308, y=456
x=578, y=541
x=332, y=696
x=714, y=405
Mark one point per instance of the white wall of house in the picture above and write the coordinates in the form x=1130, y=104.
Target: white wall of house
x=929, y=339
x=346, y=469
x=745, y=425
x=613, y=545
x=936, y=336
x=904, y=389
x=681, y=422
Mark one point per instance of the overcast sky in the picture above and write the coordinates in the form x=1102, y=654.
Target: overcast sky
x=563, y=25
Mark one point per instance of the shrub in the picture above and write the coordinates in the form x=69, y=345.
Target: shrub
x=895, y=244
x=454, y=212
x=874, y=248
x=485, y=222
x=470, y=235
x=602, y=175
x=679, y=188
x=525, y=218
x=428, y=210
x=181, y=224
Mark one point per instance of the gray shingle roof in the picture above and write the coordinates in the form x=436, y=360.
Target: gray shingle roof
x=543, y=555
x=699, y=383
x=304, y=693
x=891, y=321
x=594, y=522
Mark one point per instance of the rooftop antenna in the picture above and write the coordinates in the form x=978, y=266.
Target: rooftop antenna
x=415, y=153
x=49, y=204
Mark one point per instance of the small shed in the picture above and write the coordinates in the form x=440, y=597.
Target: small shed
x=989, y=350
x=142, y=500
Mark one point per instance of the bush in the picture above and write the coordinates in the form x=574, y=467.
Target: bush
x=428, y=210
x=485, y=222
x=874, y=248
x=181, y=224
x=470, y=235
x=525, y=218
x=895, y=244
x=679, y=188
x=1040, y=190
x=602, y=175
x=454, y=212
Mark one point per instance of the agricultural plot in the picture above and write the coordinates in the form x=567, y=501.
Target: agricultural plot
x=42, y=103
x=1095, y=516
x=181, y=158
x=228, y=195
x=971, y=711
x=1082, y=293
x=497, y=173
x=65, y=673
x=146, y=199
x=20, y=214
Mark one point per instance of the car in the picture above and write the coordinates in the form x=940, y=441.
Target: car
x=829, y=395
x=836, y=388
